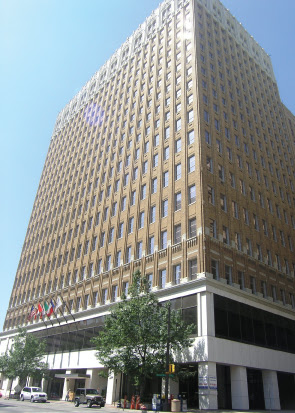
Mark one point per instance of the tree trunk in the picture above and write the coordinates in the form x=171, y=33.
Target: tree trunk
x=142, y=387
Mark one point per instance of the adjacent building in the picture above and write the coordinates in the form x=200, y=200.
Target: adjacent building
x=177, y=159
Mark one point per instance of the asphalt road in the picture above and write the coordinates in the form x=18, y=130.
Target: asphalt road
x=16, y=406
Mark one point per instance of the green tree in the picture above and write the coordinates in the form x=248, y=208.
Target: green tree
x=24, y=358
x=135, y=334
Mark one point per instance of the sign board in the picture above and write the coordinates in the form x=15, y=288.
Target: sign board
x=212, y=382
x=203, y=382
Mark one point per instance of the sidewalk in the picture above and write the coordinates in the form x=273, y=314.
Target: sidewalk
x=111, y=408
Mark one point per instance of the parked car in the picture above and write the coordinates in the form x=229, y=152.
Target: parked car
x=89, y=397
x=34, y=394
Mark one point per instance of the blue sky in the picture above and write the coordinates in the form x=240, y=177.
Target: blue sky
x=49, y=49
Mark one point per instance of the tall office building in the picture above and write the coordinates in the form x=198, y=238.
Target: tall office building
x=175, y=159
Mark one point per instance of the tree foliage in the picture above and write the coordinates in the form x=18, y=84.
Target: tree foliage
x=24, y=358
x=135, y=334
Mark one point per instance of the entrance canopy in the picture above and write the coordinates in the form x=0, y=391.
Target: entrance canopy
x=72, y=376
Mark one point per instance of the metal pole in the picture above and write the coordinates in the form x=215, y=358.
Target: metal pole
x=167, y=359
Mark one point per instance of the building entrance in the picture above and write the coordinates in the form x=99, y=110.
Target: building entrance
x=55, y=385
x=223, y=387
x=286, y=384
x=255, y=389
x=188, y=384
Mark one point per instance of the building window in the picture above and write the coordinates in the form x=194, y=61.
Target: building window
x=94, y=298
x=165, y=179
x=141, y=220
x=102, y=239
x=130, y=225
x=151, y=244
x=274, y=292
x=154, y=185
x=178, y=125
x=155, y=160
x=211, y=195
x=223, y=205
x=253, y=284
x=263, y=289
x=192, y=227
x=162, y=278
x=126, y=179
x=192, y=194
x=176, y=274
x=145, y=167
x=206, y=116
x=209, y=164
x=190, y=137
x=225, y=235
x=114, y=293
x=128, y=255
x=177, y=233
x=111, y=235
x=177, y=201
x=190, y=116
x=139, y=250
x=249, y=247
x=118, y=258
x=167, y=132
x=241, y=280
x=121, y=230
x=228, y=274
x=164, y=208
x=177, y=172
x=108, y=262
x=269, y=257
x=166, y=153
x=215, y=269
x=125, y=288
x=163, y=239
x=150, y=280
x=152, y=214
x=193, y=269
x=177, y=145
x=191, y=163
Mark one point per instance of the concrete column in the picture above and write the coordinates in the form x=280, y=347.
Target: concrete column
x=113, y=388
x=69, y=384
x=271, y=390
x=44, y=384
x=206, y=325
x=29, y=381
x=207, y=386
x=1, y=381
x=239, y=388
x=96, y=382
x=6, y=387
x=173, y=387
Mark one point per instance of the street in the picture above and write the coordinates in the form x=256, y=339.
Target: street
x=16, y=406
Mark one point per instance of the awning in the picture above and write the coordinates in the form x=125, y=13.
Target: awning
x=73, y=376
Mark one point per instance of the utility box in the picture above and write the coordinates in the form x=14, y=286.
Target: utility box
x=175, y=405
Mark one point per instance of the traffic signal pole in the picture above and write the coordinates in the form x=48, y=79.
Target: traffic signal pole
x=166, y=407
